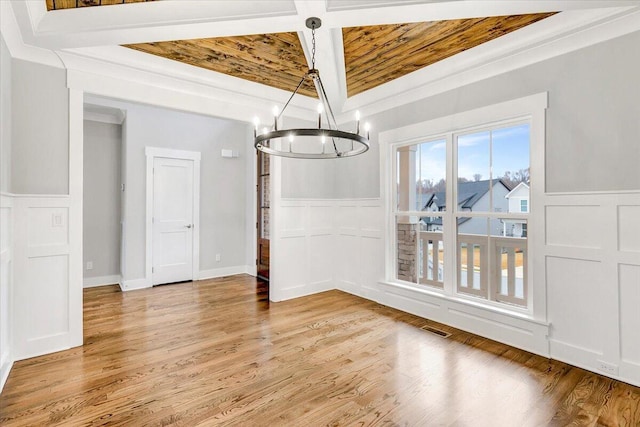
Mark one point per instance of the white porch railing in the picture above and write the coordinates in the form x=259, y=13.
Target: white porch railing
x=508, y=284
x=431, y=267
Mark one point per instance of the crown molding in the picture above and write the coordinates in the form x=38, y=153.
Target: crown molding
x=99, y=113
x=12, y=35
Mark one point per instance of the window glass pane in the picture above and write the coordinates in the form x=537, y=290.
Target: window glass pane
x=407, y=229
x=431, y=171
x=473, y=172
x=511, y=262
x=510, y=163
x=420, y=178
x=430, y=256
x=473, y=256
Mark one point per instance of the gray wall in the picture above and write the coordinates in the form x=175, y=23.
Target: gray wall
x=101, y=207
x=592, y=121
x=40, y=129
x=319, y=179
x=302, y=178
x=223, y=182
x=5, y=117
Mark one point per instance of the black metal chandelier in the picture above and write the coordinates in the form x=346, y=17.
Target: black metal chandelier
x=312, y=143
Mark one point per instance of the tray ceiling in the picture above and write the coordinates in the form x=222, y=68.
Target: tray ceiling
x=373, y=55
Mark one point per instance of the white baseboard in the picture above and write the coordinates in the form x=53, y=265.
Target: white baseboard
x=5, y=368
x=588, y=359
x=302, y=291
x=630, y=372
x=251, y=270
x=132, y=285
x=221, y=272
x=92, y=282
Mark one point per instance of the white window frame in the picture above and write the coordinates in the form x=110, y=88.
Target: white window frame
x=489, y=293
x=531, y=109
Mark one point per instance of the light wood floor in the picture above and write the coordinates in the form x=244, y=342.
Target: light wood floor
x=217, y=353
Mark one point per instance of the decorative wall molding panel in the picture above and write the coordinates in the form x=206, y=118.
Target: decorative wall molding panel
x=302, y=235
x=41, y=260
x=359, y=247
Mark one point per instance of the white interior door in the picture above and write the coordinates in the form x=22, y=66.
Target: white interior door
x=173, y=194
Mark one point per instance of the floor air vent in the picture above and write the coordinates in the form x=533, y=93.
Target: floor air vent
x=436, y=331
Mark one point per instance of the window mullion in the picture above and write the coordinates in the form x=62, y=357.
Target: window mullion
x=449, y=220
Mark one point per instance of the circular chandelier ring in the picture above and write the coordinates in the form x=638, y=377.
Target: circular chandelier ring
x=327, y=133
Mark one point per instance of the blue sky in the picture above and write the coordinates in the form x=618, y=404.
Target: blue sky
x=510, y=153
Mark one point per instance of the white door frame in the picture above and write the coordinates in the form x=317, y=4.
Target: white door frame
x=152, y=153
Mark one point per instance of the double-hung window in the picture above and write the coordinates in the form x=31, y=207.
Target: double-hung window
x=461, y=207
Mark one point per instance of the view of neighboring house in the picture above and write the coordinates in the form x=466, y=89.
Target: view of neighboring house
x=518, y=200
x=473, y=196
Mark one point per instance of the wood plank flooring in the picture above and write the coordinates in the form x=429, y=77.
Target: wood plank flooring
x=216, y=352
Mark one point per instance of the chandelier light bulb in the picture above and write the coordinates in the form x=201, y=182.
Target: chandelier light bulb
x=275, y=117
x=290, y=137
x=324, y=139
x=320, y=108
x=357, y=115
x=367, y=126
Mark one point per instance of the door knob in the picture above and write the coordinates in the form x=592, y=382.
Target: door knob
x=189, y=226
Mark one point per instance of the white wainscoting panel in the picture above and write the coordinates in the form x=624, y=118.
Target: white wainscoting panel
x=630, y=313
x=360, y=263
x=574, y=292
x=43, y=320
x=48, y=287
x=321, y=258
x=318, y=245
x=6, y=285
x=575, y=226
x=592, y=270
x=629, y=228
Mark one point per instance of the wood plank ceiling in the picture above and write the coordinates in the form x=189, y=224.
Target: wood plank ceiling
x=72, y=4
x=276, y=59
x=378, y=54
